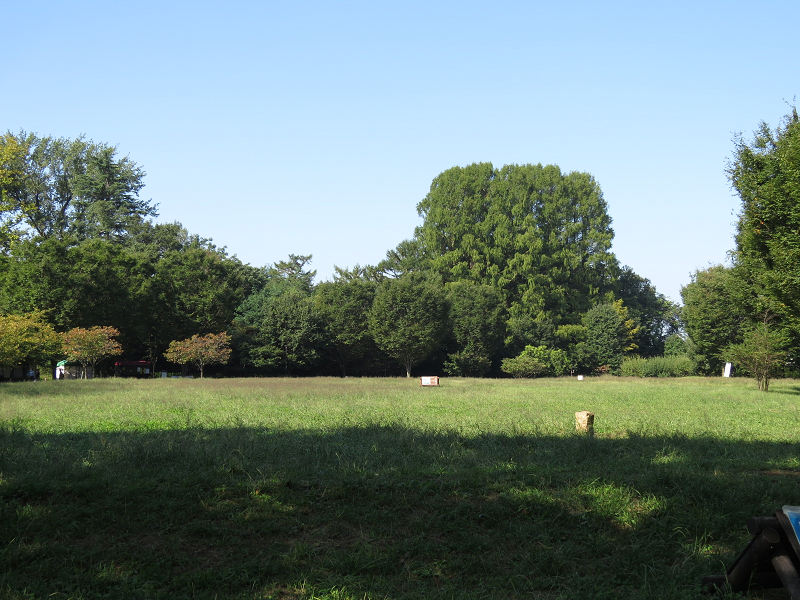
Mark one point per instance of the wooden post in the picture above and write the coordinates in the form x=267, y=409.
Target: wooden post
x=786, y=571
x=584, y=422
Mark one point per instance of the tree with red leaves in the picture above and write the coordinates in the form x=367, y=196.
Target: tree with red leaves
x=88, y=346
x=200, y=350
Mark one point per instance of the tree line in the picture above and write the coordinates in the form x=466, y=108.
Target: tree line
x=511, y=272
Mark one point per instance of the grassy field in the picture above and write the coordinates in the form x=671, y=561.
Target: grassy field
x=352, y=489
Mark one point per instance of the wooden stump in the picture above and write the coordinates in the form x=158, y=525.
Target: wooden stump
x=584, y=422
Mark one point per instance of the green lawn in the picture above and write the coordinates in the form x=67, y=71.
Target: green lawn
x=378, y=488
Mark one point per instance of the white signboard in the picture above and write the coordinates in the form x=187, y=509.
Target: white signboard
x=429, y=380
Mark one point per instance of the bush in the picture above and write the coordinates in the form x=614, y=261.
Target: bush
x=523, y=366
x=467, y=364
x=536, y=360
x=659, y=366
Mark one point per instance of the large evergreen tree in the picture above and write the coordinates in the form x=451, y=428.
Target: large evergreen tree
x=765, y=172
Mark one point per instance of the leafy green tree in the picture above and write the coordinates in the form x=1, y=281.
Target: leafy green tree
x=292, y=272
x=343, y=309
x=200, y=350
x=107, y=203
x=477, y=323
x=675, y=345
x=288, y=333
x=66, y=189
x=408, y=257
x=656, y=317
x=88, y=346
x=538, y=235
x=27, y=338
x=76, y=285
x=158, y=286
x=606, y=338
x=278, y=328
x=357, y=273
x=523, y=366
x=713, y=314
x=13, y=153
x=762, y=353
x=197, y=289
x=765, y=172
x=408, y=318
x=189, y=287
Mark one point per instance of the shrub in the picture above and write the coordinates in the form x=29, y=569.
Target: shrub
x=659, y=366
x=523, y=366
x=536, y=360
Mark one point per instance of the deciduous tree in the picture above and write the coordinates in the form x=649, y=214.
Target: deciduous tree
x=277, y=327
x=762, y=353
x=61, y=188
x=607, y=337
x=27, y=338
x=713, y=315
x=408, y=318
x=88, y=346
x=200, y=350
x=477, y=324
x=343, y=309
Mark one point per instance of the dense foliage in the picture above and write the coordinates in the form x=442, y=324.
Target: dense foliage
x=749, y=312
x=200, y=350
x=506, y=259
x=87, y=346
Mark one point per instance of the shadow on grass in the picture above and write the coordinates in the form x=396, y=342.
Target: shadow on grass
x=376, y=512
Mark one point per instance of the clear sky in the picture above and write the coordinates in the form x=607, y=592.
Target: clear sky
x=313, y=127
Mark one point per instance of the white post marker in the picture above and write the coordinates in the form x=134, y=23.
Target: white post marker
x=727, y=371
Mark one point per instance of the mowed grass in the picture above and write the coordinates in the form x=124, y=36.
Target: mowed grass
x=379, y=489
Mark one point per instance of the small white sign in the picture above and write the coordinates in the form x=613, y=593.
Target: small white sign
x=429, y=380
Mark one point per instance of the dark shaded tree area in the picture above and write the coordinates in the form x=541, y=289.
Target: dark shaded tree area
x=506, y=259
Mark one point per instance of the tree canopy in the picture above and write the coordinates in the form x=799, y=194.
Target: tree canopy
x=506, y=259
x=541, y=237
x=200, y=350
x=67, y=189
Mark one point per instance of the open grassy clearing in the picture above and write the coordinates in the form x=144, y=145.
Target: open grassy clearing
x=377, y=488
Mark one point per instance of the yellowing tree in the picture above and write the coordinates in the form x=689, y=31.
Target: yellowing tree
x=27, y=337
x=200, y=350
x=88, y=346
x=630, y=326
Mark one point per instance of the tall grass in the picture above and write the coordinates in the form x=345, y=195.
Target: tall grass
x=378, y=488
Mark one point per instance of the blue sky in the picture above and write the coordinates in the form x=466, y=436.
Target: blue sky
x=316, y=127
